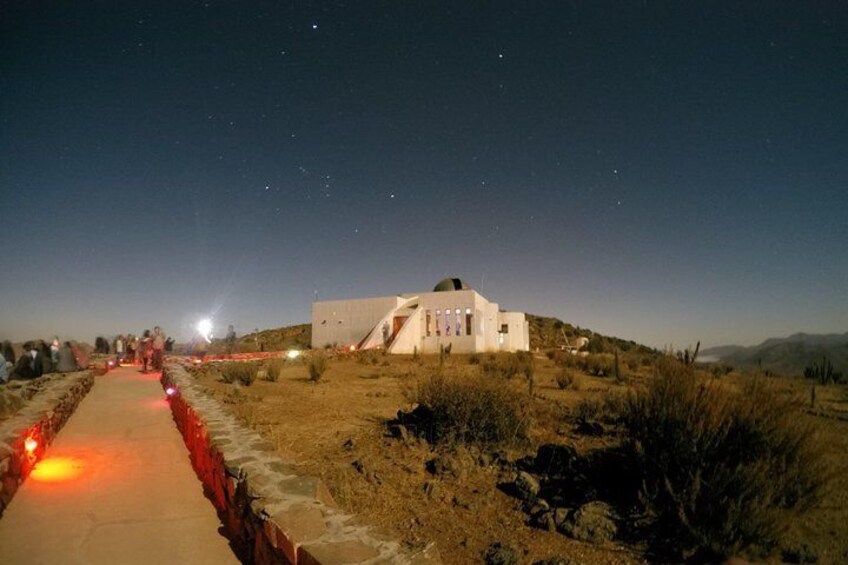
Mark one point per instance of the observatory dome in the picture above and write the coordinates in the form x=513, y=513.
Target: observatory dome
x=446, y=285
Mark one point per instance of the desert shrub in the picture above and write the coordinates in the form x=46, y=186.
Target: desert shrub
x=472, y=410
x=823, y=372
x=597, y=365
x=508, y=365
x=568, y=379
x=273, y=370
x=367, y=357
x=317, y=366
x=245, y=373
x=721, y=471
x=474, y=359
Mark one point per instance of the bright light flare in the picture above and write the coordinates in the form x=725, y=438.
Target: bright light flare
x=353, y=348
x=204, y=328
x=293, y=354
x=30, y=445
x=56, y=470
x=171, y=391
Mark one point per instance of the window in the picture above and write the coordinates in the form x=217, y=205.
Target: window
x=468, y=321
x=428, y=323
x=447, y=321
x=458, y=322
x=504, y=328
x=438, y=328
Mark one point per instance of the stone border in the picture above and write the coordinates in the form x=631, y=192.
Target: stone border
x=270, y=512
x=40, y=419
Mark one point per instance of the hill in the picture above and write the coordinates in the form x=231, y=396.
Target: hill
x=547, y=333
x=788, y=355
x=277, y=339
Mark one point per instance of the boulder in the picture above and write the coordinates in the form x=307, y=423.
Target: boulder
x=500, y=554
x=555, y=460
x=594, y=522
x=527, y=486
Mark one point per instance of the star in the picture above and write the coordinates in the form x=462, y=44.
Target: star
x=315, y=25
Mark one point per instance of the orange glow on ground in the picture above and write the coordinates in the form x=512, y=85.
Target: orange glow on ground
x=158, y=404
x=57, y=470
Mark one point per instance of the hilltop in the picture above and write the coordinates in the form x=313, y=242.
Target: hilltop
x=277, y=339
x=787, y=355
x=545, y=333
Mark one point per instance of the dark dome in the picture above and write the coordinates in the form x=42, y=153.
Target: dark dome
x=446, y=285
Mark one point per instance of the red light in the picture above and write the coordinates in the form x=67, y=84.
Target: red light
x=30, y=445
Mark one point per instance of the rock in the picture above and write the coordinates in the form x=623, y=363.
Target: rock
x=587, y=428
x=500, y=554
x=544, y=520
x=359, y=466
x=555, y=460
x=593, y=522
x=561, y=516
x=349, y=444
x=541, y=505
x=527, y=486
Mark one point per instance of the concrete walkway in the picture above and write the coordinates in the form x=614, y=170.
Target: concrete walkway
x=116, y=487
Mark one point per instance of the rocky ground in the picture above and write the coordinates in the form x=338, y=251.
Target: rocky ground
x=492, y=505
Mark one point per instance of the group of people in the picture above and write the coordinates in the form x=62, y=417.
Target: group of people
x=39, y=358
x=147, y=350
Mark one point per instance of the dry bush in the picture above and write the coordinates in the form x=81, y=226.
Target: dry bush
x=273, y=370
x=508, y=365
x=367, y=357
x=317, y=366
x=597, y=365
x=568, y=379
x=472, y=410
x=245, y=373
x=722, y=471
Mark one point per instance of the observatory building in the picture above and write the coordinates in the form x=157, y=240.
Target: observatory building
x=451, y=315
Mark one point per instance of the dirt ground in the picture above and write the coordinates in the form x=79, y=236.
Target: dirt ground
x=336, y=429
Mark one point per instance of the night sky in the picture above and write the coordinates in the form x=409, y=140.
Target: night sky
x=663, y=172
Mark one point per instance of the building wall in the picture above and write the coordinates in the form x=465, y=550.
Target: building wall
x=478, y=321
x=347, y=322
x=517, y=336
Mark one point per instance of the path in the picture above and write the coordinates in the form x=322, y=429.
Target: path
x=115, y=487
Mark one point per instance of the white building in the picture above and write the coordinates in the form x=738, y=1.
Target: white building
x=452, y=314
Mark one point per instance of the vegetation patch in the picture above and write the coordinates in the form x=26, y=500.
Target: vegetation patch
x=722, y=471
x=471, y=410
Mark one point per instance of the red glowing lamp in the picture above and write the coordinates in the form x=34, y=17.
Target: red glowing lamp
x=30, y=445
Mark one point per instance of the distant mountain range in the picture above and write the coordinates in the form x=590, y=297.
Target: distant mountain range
x=787, y=355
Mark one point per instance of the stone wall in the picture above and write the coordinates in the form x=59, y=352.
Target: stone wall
x=270, y=512
x=40, y=418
